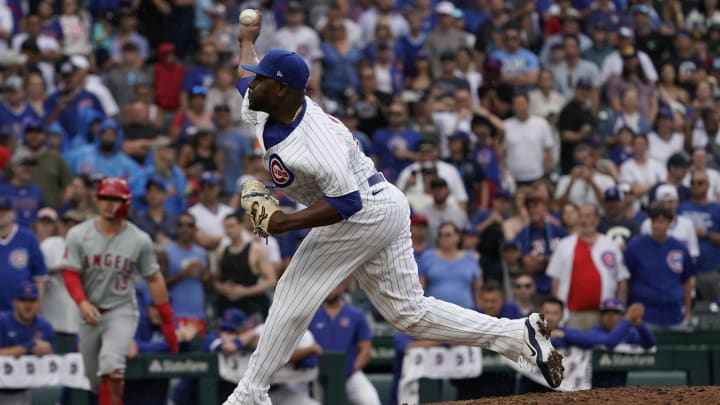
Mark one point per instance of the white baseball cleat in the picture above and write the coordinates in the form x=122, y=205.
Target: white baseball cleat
x=539, y=351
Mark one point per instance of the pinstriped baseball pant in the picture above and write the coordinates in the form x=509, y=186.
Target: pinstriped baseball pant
x=375, y=247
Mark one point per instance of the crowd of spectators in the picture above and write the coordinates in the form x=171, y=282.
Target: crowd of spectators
x=550, y=150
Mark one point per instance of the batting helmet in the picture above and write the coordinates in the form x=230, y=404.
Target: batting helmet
x=115, y=187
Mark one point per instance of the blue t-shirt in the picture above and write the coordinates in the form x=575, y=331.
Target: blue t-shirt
x=13, y=333
x=26, y=201
x=339, y=71
x=623, y=332
x=385, y=141
x=342, y=334
x=509, y=310
x=520, y=61
x=20, y=260
x=487, y=159
x=13, y=122
x=197, y=76
x=706, y=217
x=450, y=280
x=69, y=117
x=657, y=273
x=541, y=241
x=187, y=296
x=175, y=186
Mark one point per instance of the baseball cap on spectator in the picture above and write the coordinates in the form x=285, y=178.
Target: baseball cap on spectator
x=209, y=178
x=47, y=214
x=445, y=7
x=640, y=9
x=157, y=181
x=584, y=83
x=571, y=14
x=459, y=14
x=438, y=182
x=80, y=62
x=13, y=83
x=601, y=25
x=612, y=304
x=232, y=319
x=198, y=91
x=448, y=55
x=26, y=291
x=628, y=51
x=284, y=66
x=533, y=198
x=294, y=6
x=73, y=216
x=33, y=125
x=165, y=47
x=459, y=136
x=67, y=68
x=678, y=160
x=221, y=108
x=125, y=12
x=418, y=219
x=6, y=204
x=665, y=112
x=684, y=32
x=162, y=142
x=510, y=244
x=613, y=194
x=504, y=194
x=22, y=157
x=626, y=32
x=666, y=192
x=426, y=145
x=470, y=230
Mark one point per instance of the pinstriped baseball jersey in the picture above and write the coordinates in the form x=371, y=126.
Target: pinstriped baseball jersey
x=106, y=264
x=320, y=157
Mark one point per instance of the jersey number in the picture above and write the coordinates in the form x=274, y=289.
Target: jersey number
x=121, y=282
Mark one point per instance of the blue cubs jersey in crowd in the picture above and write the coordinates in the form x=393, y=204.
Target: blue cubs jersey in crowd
x=13, y=333
x=26, y=200
x=69, y=117
x=657, y=272
x=13, y=122
x=706, y=217
x=540, y=242
x=20, y=260
x=623, y=332
x=342, y=334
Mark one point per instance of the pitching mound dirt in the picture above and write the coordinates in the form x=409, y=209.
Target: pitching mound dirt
x=704, y=395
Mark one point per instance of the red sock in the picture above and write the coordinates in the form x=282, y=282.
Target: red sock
x=104, y=397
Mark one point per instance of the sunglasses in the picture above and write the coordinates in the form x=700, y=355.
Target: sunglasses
x=698, y=183
x=526, y=286
x=186, y=225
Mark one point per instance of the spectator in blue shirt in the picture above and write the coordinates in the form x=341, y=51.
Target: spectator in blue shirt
x=26, y=197
x=492, y=302
x=538, y=240
x=161, y=165
x=520, y=67
x=705, y=215
x=449, y=273
x=395, y=146
x=339, y=64
x=234, y=146
x=15, y=111
x=662, y=273
x=187, y=273
x=23, y=332
x=107, y=158
x=341, y=327
x=203, y=74
x=155, y=219
x=65, y=105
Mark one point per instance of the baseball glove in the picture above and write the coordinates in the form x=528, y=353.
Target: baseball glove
x=259, y=205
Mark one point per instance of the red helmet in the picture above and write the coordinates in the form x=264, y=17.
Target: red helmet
x=117, y=188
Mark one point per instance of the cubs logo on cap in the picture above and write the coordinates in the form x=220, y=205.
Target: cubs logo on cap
x=281, y=175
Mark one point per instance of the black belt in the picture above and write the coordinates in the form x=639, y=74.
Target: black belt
x=376, y=178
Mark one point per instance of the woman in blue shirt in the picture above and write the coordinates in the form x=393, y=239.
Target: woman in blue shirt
x=339, y=63
x=449, y=273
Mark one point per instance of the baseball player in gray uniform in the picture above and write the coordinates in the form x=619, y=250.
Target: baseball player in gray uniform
x=361, y=227
x=100, y=257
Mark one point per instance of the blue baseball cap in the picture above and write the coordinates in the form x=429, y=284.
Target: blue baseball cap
x=232, y=319
x=26, y=291
x=156, y=181
x=612, y=304
x=287, y=67
x=198, y=91
x=459, y=135
x=209, y=178
x=613, y=194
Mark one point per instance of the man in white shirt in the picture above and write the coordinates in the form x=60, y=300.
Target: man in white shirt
x=209, y=212
x=681, y=228
x=664, y=141
x=528, y=143
x=641, y=172
x=410, y=179
x=584, y=184
x=613, y=63
x=301, y=39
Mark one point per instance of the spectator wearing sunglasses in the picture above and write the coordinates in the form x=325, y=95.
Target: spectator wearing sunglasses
x=185, y=267
x=523, y=293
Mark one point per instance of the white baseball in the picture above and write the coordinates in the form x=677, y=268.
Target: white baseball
x=248, y=17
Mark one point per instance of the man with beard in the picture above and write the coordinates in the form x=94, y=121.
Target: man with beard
x=338, y=326
x=107, y=158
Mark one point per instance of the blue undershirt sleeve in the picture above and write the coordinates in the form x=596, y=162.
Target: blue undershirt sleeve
x=242, y=84
x=347, y=204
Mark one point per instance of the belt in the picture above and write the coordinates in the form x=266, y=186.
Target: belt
x=376, y=178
